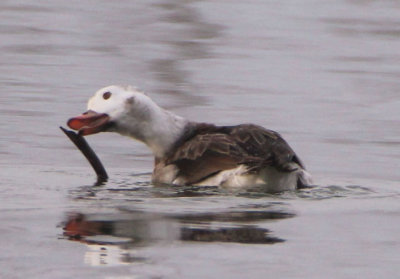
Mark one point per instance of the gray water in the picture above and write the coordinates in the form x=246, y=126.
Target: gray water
x=325, y=74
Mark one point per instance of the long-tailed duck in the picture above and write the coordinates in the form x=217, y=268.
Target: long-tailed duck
x=190, y=153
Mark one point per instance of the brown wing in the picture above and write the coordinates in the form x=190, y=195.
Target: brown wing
x=212, y=149
x=267, y=144
x=207, y=154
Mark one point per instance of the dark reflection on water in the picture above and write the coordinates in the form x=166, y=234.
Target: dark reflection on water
x=186, y=43
x=112, y=238
x=354, y=26
x=138, y=228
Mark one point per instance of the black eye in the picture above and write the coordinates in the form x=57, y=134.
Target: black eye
x=106, y=95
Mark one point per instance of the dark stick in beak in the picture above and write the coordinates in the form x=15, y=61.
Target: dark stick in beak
x=88, y=152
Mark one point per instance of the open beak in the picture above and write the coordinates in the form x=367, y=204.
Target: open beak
x=90, y=122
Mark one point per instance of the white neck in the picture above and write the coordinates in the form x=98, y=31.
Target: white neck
x=164, y=132
x=159, y=131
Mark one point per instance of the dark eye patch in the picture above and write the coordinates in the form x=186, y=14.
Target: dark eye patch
x=106, y=95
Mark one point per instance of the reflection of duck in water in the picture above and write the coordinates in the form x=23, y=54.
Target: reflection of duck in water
x=189, y=153
x=141, y=228
x=112, y=239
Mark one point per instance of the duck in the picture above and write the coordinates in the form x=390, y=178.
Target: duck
x=195, y=153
